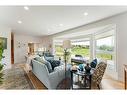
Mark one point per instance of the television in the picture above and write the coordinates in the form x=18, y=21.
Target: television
x=4, y=41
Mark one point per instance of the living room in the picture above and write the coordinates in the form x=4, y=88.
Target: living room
x=30, y=31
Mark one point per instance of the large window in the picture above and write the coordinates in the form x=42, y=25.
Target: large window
x=100, y=45
x=58, y=49
x=81, y=48
x=105, y=47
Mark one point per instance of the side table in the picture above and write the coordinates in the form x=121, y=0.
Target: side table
x=87, y=77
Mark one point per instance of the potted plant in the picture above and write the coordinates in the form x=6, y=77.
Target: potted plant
x=1, y=65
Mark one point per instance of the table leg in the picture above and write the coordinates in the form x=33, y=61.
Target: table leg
x=78, y=78
x=85, y=81
x=90, y=80
x=71, y=80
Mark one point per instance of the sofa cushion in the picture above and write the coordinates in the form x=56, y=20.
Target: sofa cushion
x=49, y=58
x=42, y=60
x=54, y=63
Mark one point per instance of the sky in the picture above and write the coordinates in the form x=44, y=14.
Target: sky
x=105, y=41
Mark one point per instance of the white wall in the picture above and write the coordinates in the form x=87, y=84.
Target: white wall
x=48, y=43
x=20, y=52
x=6, y=32
x=121, y=34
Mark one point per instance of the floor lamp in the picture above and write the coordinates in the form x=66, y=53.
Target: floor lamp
x=66, y=46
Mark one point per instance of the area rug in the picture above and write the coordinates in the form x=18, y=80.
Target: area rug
x=16, y=78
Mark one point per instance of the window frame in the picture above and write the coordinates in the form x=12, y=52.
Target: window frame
x=114, y=53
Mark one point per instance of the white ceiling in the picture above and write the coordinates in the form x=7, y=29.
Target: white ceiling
x=80, y=34
x=46, y=20
x=84, y=34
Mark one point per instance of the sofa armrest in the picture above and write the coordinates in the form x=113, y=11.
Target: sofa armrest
x=54, y=79
x=53, y=74
x=58, y=68
x=62, y=63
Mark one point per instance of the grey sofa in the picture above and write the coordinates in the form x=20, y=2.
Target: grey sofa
x=50, y=80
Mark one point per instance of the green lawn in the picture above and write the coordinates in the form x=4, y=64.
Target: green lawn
x=74, y=51
x=59, y=50
x=105, y=56
x=81, y=51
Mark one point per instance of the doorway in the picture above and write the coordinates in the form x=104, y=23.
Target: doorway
x=12, y=48
x=30, y=48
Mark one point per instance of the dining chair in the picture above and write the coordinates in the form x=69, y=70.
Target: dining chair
x=98, y=74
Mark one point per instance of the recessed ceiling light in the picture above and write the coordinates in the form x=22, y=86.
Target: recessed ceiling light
x=19, y=21
x=60, y=24
x=85, y=13
x=26, y=8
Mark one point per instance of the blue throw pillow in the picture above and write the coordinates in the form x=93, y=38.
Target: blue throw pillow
x=93, y=63
x=48, y=66
x=54, y=63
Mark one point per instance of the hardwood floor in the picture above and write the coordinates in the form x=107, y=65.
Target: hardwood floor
x=35, y=81
x=108, y=83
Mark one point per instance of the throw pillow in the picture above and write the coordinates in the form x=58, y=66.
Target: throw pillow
x=39, y=59
x=42, y=60
x=54, y=63
x=93, y=63
x=49, y=66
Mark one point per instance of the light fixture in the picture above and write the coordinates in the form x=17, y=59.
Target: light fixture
x=19, y=21
x=66, y=46
x=26, y=8
x=85, y=14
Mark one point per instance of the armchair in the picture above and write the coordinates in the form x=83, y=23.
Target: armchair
x=98, y=74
